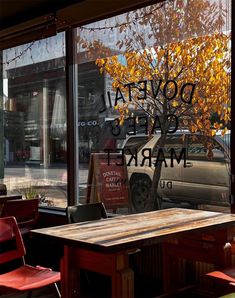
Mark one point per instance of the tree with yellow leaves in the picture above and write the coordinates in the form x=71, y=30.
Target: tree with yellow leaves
x=189, y=79
x=175, y=68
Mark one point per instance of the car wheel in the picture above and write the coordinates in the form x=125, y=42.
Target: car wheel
x=140, y=194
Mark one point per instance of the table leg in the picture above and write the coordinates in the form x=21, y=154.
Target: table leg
x=69, y=274
x=122, y=278
x=115, y=265
x=212, y=249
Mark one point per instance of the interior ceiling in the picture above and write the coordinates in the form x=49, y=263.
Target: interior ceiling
x=22, y=21
x=13, y=12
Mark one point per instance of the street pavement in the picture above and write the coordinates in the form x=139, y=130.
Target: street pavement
x=50, y=181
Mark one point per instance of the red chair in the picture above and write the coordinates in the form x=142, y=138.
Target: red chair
x=25, y=212
x=26, y=277
x=224, y=280
x=227, y=275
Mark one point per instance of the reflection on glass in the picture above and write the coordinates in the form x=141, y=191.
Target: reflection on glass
x=162, y=71
x=35, y=130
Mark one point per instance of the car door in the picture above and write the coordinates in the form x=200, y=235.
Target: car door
x=170, y=184
x=206, y=175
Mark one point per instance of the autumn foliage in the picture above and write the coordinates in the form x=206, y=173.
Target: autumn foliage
x=203, y=61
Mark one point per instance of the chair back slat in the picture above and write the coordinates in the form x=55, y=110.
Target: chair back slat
x=25, y=211
x=12, y=246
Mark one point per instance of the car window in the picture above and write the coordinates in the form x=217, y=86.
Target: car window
x=204, y=148
x=175, y=142
x=135, y=143
x=225, y=139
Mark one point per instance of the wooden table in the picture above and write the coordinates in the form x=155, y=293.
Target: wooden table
x=103, y=246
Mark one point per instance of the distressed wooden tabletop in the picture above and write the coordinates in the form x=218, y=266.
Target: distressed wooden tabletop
x=136, y=230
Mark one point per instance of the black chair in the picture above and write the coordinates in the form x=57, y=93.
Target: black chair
x=86, y=212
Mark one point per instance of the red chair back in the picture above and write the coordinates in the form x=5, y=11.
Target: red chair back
x=9, y=231
x=25, y=211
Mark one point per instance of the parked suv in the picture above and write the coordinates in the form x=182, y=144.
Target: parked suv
x=203, y=179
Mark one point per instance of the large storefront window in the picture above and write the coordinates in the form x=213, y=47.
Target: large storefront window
x=34, y=121
x=154, y=87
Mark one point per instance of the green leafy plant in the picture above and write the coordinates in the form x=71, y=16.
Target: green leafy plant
x=31, y=192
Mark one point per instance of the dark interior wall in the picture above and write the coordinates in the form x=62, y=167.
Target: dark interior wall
x=40, y=250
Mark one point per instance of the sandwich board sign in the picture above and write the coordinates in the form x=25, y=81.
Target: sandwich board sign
x=108, y=181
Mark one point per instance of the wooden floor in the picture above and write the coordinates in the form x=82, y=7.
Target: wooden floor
x=46, y=292
x=98, y=286
x=50, y=292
